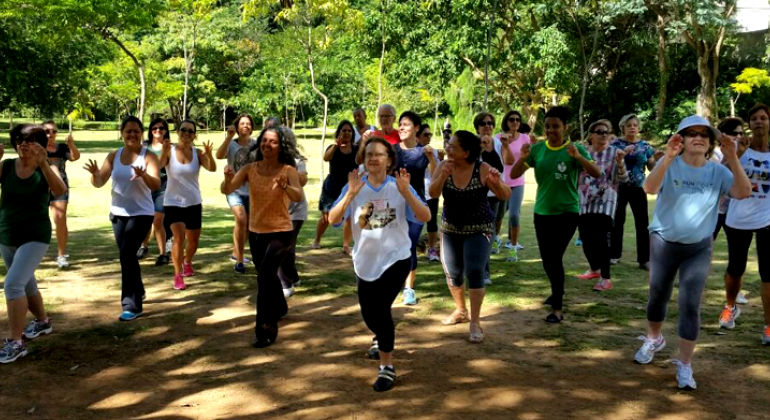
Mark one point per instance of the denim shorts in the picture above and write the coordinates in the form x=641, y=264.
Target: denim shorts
x=157, y=199
x=235, y=199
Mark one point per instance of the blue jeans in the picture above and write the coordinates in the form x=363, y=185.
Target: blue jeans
x=414, y=234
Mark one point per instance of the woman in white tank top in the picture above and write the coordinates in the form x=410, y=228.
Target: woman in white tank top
x=134, y=175
x=182, y=203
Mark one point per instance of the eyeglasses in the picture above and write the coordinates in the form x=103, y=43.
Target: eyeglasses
x=158, y=129
x=186, y=130
x=376, y=155
x=694, y=134
x=427, y=134
x=600, y=132
x=514, y=119
x=386, y=116
x=487, y=123
x=51, y=131
x=736, y=134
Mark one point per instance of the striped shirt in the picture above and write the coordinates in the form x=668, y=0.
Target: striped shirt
x=600, y=195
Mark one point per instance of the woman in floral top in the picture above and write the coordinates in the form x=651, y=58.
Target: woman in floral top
x=598, y=199
x=640, y=155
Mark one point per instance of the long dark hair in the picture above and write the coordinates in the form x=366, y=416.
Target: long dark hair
x=155, y=121
x=288, y=149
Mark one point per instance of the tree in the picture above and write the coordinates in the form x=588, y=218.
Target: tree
x=749, y=79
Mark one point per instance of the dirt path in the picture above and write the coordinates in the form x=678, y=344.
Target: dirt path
x=190, y=358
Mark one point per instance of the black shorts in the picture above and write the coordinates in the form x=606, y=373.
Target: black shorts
x=191, y=216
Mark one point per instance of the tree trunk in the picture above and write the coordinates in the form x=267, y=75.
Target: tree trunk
x=586, y=75
x=318, y=92
x=186, y=78
x=707, y=95
x=382, y=58
x=139, y=66
x=662, y=69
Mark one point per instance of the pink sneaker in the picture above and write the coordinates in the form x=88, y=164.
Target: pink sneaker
x=179, y=282
x=602, y=285
x=187, y=270
x=588, y=275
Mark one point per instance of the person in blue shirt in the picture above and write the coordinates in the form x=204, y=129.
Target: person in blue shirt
x=689, y=187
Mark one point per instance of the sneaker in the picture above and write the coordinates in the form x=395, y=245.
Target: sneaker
x=245, y=260
x=614, y=261
x=129, y=316
x=11, y=351
x=37, y=328
x=741, y=299
x=409, y=297
x=487, y=282
x=169, y=244
x=143, y=251
x=179, y=282
x=766, y=335
x=519, y=247
x=385, y=379
x=288, y=292
x=603, y=285
x=433, y=255
x=61, y=260
x=162, y=260
x=495, y=248
x=728, y=316
x=508, y=245
x=645, y=354
x=578, y=241
x=589, y=275
x=374, y=350
x=513, y=255
x=239, y=268
x=187, y=270
x=684, y=376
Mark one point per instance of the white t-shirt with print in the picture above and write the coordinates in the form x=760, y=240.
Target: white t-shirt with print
x=298, y=209
x=753, y=212
x=380, y=231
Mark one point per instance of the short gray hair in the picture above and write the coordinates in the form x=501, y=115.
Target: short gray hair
x=626, y=119
x=387, y=106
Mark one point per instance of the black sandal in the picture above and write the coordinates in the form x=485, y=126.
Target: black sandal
x=553, y=319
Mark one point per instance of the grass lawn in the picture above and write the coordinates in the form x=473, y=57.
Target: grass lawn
x=190, y=356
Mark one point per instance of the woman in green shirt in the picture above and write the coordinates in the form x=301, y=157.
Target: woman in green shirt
x=25, y=233
x=557, y=163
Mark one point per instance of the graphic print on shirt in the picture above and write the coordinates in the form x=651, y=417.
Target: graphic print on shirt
x=693, y=186
x=376, y=215
x=758, y=172
x=561, y=175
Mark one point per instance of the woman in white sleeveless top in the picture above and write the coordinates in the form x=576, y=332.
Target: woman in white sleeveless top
x=134, y=175
x=182, y=203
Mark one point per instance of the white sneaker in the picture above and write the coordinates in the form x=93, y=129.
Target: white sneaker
x=169, y=244
x=288, y=292
x=614, y=261
x=741, y=299
x=487, y=282
x=645, y=354
x=61, y=260
x=684, y=375
x=519, y=247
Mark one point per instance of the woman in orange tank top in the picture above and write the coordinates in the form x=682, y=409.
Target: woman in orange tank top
x=273, y=182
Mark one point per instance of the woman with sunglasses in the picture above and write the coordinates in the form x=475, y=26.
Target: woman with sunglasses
x=688, y=187
x=750, y=217
x=59, y=154
x=135, y=174
x=238, y=200
x=514, y=139
x=557, y=163
x=157, y=134
x=25, y=233
x=598, y=199
x=182, y=201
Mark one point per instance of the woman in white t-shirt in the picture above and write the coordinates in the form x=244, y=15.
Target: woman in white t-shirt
x=747, y=217
x=182, y=201
x=379, y=207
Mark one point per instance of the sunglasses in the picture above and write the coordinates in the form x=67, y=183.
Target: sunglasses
x=427, y=134
x=51, y=131
x=20, y=140
x=600, y=132
x=158, y=129
x=694, y=134
x=487, y=123
x=185, y=130
x=514, y=119
x=735, y=134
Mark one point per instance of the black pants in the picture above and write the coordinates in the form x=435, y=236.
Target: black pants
x=554, y=234
x=637, y=198
x=268, y=250
x=595, y=234
x=375, y=299
x=720, y=222
x=129, y=235
x=432, y=224
x=288, y=271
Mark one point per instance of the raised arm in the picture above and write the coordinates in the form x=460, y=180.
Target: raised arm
x=521, y=165
x=355, y=183
x=492, y=179
x=439, y=177
x=420, y=210
x=74, y=152
x=222, y=151
x=289, y=182
x=50, y=172
x=206, y=157
x=150, y=174
x=508, y=157
x=588, y=166
x=655, y=179
x=233, y=180
x=165, y=154
x=741, y=185
x=100, y=176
